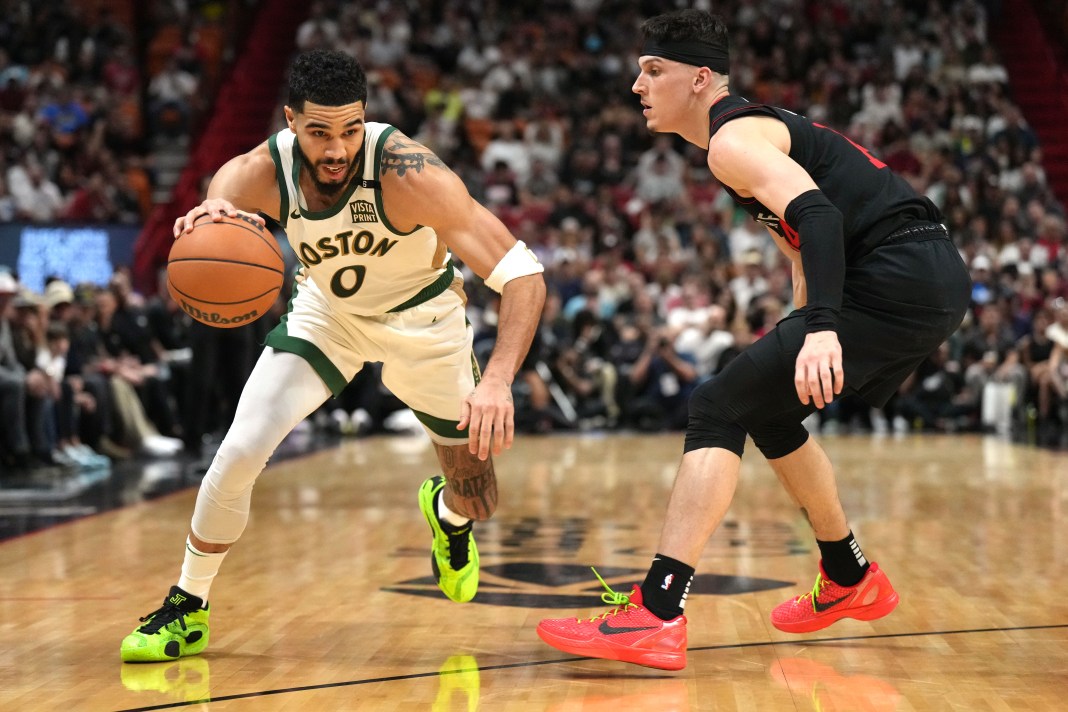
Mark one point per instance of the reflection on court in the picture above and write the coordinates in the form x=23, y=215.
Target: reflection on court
x=458, y=684
x=184, y=680
x=328, y=602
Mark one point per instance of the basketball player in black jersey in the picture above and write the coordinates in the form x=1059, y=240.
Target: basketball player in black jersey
x=878, y=285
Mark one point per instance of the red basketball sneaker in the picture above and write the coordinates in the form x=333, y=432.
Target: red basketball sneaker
x=630, y=633
x=872, y=598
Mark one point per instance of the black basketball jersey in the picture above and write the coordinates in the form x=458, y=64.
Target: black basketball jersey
x=874, y=201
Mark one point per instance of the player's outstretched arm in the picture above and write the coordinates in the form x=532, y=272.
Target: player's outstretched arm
x=245, y=183
x=419, y=189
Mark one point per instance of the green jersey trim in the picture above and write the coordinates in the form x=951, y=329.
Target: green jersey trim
x=427, y=293
x=280, y=177
x=336, y=207
x=378, y=177
x=440, y=426
x=280, y=340
x=447, y=428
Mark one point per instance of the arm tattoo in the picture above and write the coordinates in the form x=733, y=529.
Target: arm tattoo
x=394, y=160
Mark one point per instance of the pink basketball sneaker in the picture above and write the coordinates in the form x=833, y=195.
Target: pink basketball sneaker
x=630, y=633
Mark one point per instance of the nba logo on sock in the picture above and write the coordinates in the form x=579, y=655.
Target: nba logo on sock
x=667, y=581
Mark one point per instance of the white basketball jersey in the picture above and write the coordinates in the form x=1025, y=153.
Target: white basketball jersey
x=351, y=253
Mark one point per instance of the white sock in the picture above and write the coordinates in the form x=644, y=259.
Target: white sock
x=198, y=571
x=447, y=515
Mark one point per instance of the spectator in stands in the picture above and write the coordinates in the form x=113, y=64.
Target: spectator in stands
x=658, y=174
x=170, y=94
x=656, y=237
x=661, y=380
x=751, y=283
x=29, y=328
x=929, y=399
x=15, y=385
x=120, y=73
x=1049, y=240
x=988, y=70
x=507, y=147
x=65, y=117
x=984, y=289
x=319, y=31
x=1058, y=368
x=135, y=377
x=992, y=336
x=745, y=238
x=500, y=189
x=705, y=343
x=544, y=137
x=37, y=199
x=91, y=202
x=1035, y=349
x=587, y=377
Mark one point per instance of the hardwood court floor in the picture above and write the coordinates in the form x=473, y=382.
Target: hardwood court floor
x=326, y=603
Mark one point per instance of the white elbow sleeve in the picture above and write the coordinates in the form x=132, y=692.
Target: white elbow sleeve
x=517, y=262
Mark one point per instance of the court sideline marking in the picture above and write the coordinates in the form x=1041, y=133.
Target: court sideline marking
x=535, y=663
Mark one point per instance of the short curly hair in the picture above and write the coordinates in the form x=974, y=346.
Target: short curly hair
x=326, y=77
x=687, y=26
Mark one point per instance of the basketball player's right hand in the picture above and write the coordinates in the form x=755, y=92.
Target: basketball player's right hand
x=818, y=370
x=217, y=209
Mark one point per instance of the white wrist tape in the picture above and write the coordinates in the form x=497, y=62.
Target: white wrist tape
x=517, y=262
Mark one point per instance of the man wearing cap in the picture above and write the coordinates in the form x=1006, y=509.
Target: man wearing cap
x=58, y=292
x=15, y=382
x=879, y=286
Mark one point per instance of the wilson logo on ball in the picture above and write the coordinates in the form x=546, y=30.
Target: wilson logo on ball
x=215, y=317
x=227, y=272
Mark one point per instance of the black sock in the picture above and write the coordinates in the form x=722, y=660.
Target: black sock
x=665, y=587
x=843, y=561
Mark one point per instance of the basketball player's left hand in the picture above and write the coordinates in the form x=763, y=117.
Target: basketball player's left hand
x=490, y=415
x=818, y=371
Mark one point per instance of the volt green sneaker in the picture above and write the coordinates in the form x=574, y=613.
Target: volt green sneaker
x=177, y=629
x=453, y=555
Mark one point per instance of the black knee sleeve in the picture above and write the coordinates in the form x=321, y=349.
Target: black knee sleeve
x=711, y=423
x=778, y=439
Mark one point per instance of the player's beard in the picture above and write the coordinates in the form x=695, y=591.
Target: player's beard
x=331, y=188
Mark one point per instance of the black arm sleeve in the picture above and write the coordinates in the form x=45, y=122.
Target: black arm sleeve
x=819, y=228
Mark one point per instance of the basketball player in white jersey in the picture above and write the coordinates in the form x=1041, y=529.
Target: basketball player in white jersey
x=372, y=217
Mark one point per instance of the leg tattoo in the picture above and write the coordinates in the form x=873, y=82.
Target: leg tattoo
x=471, y=485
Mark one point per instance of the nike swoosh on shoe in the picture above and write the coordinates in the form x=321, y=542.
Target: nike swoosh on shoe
x=609, y=629
x=821, y=607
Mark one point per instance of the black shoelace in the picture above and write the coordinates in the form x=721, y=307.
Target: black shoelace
x=167, y=613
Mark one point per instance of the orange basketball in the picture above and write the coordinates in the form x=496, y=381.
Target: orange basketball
x=225, y=273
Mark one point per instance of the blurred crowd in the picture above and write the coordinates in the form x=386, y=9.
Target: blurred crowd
x=91, y=374
x=83, y=94
x=655, y=279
